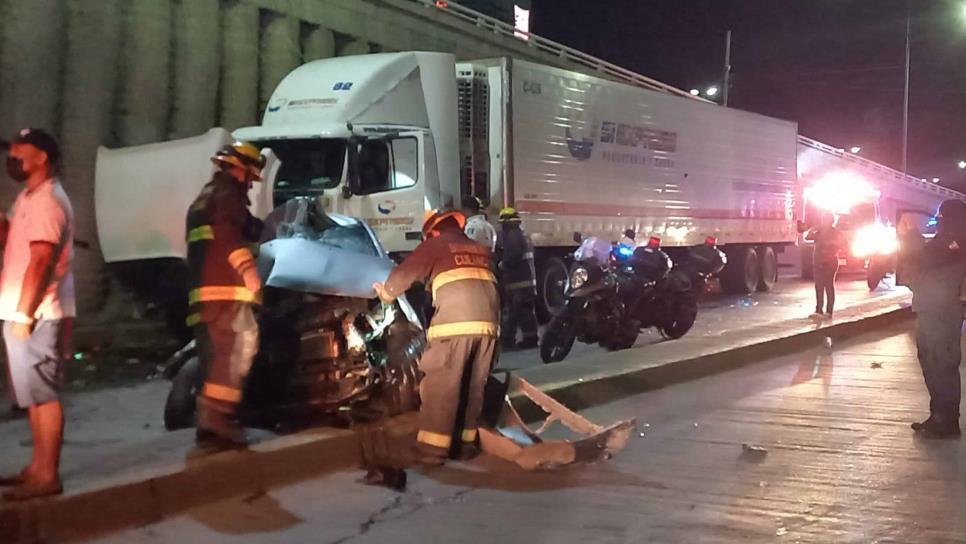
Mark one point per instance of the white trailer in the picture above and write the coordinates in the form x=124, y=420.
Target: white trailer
x=385, y=136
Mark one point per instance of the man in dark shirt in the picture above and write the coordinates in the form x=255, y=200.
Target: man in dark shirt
x=829, y=241
x=939, y=266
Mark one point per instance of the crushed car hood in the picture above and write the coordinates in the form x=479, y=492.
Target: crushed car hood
x=310, y=266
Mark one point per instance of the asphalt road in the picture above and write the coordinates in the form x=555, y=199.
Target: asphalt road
x=841, y=465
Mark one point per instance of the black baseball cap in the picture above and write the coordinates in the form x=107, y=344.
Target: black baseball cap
x=40, y=139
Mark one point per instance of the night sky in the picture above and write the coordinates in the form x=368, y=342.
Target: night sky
x=834, y=66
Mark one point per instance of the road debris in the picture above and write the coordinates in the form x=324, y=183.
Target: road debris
x=513, y=440
x=753, y=453
x=876, y=365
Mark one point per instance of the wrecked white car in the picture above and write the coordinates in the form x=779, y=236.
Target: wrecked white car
x=327, y=344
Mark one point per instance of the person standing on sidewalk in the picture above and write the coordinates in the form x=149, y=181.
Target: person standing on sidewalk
x=829, y=242
x=519, y=282
x=37, y=304
x=936, y=284
x=462, y=335
x=224, y=286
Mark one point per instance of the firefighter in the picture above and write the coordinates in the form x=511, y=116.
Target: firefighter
x=222, y=237
x=462, y=335
x=477, y=227
x=519, y=282
x=939, y=266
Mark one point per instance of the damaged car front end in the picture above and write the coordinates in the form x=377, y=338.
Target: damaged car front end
x=328, y=345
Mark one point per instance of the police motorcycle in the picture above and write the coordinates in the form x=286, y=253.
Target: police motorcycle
x=662, y=293
x=638, y=288
x=328, y=346
x=594, y=310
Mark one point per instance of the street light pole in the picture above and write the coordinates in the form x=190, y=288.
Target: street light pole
x=905, y=99
x=727, y=69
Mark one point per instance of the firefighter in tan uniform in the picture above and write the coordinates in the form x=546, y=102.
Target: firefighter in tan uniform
x=462, y=335
x=224, y=283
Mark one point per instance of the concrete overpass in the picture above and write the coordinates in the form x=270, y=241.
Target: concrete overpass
x=127, y=72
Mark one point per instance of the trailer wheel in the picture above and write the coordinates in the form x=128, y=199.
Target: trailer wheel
x=807, y=254
x=769, y=268
x=552, y=276
x=742, y=274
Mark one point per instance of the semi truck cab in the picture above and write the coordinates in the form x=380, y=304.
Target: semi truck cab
x=371, y=136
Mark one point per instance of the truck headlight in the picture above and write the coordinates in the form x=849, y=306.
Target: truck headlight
x=579, y=277
x=875, y=239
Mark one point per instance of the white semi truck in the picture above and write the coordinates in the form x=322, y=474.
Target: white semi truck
x=386, y=136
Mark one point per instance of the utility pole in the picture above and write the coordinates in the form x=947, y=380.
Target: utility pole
x=905, y=99
x=727, y=69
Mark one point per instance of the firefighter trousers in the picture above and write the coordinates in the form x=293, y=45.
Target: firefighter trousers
x=937, y=343
x=454, y=370
x=519, y=311
x=227, y=339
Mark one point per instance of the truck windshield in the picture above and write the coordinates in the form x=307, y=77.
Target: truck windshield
x=303, y=217
x=308, y=166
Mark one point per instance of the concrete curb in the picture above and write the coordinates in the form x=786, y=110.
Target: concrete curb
x=312, y=453
x=202, y=480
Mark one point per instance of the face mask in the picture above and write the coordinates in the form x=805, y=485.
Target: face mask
x=15, y=169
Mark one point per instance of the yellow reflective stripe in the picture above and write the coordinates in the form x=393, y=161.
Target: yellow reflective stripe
x=239, y=257
x=221, y=392
x=521, y=285
x=204, y=232
x=434, y=439
x=482, y=328
x=193, y=320
x=469, y=435
x=459, y=274
x=208, y=294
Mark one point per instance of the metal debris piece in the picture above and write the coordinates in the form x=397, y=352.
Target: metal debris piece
x=781, y=531
x=515, y=441
x=755, y=454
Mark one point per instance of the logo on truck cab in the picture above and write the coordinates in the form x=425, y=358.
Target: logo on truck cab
x=277, y=104
x=386, y=207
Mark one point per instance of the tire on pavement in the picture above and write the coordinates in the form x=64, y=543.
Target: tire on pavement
x=552, y=275
x=742, y=274
x=768, y=260
x=179, y=408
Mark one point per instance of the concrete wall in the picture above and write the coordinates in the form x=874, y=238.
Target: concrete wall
x=127, y=72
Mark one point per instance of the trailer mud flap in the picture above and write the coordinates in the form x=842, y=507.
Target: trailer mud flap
x=514, y=441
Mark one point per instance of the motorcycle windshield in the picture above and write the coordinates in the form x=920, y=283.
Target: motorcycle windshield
x=305, y=249
x=593, y=250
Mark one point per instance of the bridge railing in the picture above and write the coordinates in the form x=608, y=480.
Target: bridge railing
x=882, y=170
x=455, y=10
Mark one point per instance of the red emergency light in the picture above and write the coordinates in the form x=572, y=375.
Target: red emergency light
x=711, y=241
x=654, y=242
